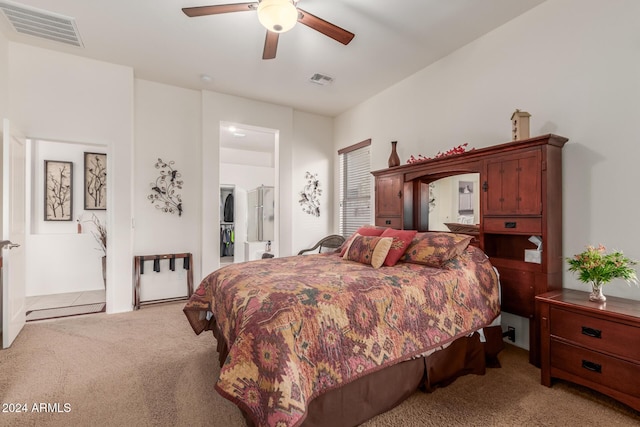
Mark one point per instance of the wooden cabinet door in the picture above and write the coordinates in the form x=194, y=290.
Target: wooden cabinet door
x=529, y=184
x=513, y=185
x=389, y=195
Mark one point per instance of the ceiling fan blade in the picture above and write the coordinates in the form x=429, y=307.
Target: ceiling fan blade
x=221, y=8
x=327, y=28
x=270, y=45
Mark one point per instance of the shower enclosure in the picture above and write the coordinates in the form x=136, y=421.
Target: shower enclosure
x=261, y=220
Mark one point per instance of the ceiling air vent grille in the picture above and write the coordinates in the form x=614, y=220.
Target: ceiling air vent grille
x=41, y=23
x=321, y=79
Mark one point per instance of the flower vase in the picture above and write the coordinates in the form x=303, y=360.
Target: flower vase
x=394, y=160
x=104, y=271
x=596, y=294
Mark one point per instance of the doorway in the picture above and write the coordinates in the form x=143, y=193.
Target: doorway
x=248, y=160
x=66, y=232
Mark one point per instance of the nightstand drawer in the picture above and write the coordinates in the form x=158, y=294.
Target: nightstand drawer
x=596, y=334
x=595, y=367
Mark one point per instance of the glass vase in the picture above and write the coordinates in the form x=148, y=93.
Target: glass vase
x=596, y=294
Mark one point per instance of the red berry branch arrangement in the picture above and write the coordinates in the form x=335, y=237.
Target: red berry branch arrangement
x=452, y=152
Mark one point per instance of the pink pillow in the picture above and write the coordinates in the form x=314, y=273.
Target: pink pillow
x=370, y=250
x=366, y=230
x=401, y=240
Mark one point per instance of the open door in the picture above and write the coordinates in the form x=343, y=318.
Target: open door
x=13, y=232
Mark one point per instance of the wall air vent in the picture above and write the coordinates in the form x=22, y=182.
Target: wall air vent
x=41, y=23
x=321, y=79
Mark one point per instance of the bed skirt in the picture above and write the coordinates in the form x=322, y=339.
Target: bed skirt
x=364, y=398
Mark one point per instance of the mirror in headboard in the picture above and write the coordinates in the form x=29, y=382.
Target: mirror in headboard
x=453, y=204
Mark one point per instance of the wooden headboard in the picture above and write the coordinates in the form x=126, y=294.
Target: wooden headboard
x=521, y=196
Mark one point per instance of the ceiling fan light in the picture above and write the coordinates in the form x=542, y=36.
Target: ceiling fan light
x=278, y=16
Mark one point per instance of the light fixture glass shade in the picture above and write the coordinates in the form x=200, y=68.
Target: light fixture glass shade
x=277, y=15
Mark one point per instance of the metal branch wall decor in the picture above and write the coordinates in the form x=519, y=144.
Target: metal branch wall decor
x=163, y=191
x=310, y=195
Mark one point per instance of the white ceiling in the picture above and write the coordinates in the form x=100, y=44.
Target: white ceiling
x=241, y=136
x=394, y=39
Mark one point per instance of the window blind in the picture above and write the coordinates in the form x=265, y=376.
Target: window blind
x=355, y=188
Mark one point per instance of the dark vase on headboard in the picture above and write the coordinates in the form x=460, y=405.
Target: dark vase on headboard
x=394, y=160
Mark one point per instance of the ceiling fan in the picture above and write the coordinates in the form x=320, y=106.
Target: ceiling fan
x=277, y=16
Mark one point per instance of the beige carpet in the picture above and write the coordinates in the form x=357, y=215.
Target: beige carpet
x=147, y=368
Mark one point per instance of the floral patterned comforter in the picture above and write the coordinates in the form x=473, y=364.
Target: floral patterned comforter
x=299, y=326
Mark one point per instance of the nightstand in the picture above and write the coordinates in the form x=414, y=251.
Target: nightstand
x=593, y=344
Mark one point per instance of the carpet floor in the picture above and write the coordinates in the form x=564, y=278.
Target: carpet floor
x=148, y=368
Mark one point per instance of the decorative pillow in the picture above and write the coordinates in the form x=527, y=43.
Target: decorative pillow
x=401, y=240
x=370, y=250
x=435, y=248
x=365, y=230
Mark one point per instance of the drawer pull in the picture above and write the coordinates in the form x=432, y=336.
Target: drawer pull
x=590, y=332
x=510, y=224
x=590, y=366
x=388, y=221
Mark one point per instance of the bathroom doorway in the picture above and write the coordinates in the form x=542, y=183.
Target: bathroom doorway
x=248, y=160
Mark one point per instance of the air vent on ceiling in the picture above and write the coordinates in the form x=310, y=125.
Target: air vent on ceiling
x=321, y=79
x=41, y=23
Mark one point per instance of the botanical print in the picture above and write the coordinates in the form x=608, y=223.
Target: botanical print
x=58, y=190
x=95, y=181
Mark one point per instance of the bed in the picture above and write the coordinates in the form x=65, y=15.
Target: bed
x=329, y=339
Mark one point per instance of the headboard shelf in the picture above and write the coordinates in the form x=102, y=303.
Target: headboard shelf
x=520, y=186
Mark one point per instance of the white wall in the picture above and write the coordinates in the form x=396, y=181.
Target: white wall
x=573, y=65
x=62, y=97
x=234, y=156
x=313, y=153
x=246, y=176
x=167, y=126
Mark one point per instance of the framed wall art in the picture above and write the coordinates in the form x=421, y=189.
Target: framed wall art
x=58, y=190
x=95, y=181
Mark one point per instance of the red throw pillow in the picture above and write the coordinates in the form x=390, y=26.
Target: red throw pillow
x=401, y=240
x=366, y=230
